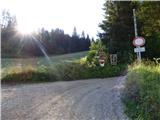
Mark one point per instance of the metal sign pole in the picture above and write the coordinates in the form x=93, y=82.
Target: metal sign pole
x=136, y=35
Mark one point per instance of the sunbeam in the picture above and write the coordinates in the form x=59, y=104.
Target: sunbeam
x=42, y=49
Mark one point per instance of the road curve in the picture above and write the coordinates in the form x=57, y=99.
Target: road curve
x=94, y=99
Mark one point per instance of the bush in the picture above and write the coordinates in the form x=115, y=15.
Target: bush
x=97, y=45
x=94, y=52
x=64, y=71
x=142, y=92
x=27, y=75
x=91, y=57
x=69, y=71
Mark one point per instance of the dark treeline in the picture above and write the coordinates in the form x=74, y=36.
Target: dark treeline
x=14, y=44
x=118, y=27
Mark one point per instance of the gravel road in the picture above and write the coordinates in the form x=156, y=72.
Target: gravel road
x=94, y=99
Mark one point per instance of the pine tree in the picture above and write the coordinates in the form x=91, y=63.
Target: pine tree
x=83, y=34
x=74, y=32
x=118, y=28
x=148, y=14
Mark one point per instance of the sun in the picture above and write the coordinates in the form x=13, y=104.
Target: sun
x=25, y=28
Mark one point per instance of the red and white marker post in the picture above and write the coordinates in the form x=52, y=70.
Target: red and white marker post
x=102, y=58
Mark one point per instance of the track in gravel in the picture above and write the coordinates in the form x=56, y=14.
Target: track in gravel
x=94, y=99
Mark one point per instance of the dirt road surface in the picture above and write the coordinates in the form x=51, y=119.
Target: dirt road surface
x=94, y=99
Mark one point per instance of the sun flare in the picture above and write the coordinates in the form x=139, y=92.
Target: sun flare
x=25, y=28
x=52, y=14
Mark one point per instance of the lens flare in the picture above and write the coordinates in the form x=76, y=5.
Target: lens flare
x=24, y=28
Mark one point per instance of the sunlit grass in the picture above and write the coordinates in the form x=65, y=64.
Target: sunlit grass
x=36, y=61
x=142, y=92
x=19, y=65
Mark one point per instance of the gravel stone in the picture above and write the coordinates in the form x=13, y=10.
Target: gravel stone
x=94, y=99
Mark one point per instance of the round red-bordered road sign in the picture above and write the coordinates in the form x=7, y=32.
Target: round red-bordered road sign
x=138, y=41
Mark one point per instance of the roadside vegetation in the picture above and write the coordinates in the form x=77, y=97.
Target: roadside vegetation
x=62, y=71
x=83, y=68
x=142, y=92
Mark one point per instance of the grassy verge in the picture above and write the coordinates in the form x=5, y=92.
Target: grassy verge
x=62, y=71
x=142, y=92
x=37, y=61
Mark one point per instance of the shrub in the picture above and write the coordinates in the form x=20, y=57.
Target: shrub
x=28, y=74
x=91, y=58
x=69, y=71
x=94, y=53
x=97, y=45
x=63, y=71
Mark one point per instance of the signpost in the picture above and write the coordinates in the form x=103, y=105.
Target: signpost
x=139, y=49
x=138, y=41
x=113, y=59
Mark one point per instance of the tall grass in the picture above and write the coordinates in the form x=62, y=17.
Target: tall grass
x=63, y=71
x=142, y=92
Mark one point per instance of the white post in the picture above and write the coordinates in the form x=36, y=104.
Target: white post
x=136, y=35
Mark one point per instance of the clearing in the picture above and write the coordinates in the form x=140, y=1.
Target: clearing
x=10, y=62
